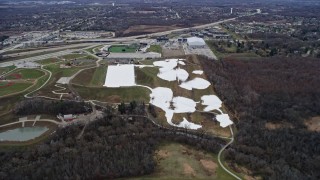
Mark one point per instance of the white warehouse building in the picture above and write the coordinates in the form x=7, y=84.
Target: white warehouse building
x=195, y=42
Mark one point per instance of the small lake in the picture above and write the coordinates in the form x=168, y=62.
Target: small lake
x=22, y=134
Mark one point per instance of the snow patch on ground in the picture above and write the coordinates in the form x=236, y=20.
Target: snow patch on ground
x=224, y=120
x=169, y=72
x=188, y=125
x=184, y=105
x=181, y=63
x=197, y=72
x=163, y=98
x=197, y=83
x=142, y=66
x=120, y=76
x=212, y=102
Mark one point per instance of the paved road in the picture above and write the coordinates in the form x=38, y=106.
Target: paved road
x=50, y=74
x=40, y=120
x=219, y=156
x=36, y=58
x=153, y=34
x=62, y=47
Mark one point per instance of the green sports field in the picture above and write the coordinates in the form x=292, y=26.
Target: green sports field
x=123, y=49
x=25, y=74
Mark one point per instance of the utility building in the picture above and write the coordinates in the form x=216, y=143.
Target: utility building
x=195, y=42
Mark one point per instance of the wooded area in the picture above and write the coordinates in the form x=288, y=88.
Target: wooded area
x=111, y=147
x=271, y=90
x=52, y=107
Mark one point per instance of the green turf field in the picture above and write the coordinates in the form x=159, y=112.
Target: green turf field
x=99, y=76
x=6, y=69
x=114, y=95
x=122, y=49
x=155, y=48
x=73, y=56
x=48, y=61
x=25, y=74
x=64, y=72
x=178, y=161
x=14, y=88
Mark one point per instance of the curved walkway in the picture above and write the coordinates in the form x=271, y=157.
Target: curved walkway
x=41, y=120
x=219, y=156
x=50, y=74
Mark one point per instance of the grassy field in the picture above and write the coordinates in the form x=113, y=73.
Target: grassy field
x=88, y=57
x=73, y=56
x=99, y=76
x=92, y=50
x=48, y=61
x=114, y=95
x=6, y=69
x=57, y=73
x=155, y=48
x=84, y=78
x=148, y=76
x=26, y=74
x=177, y=161
x=122, y=49
x=14, y=88
x=94, y=77
x=64, y=72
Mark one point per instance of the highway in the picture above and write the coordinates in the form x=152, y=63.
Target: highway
x=123, y=39
x=88, y=42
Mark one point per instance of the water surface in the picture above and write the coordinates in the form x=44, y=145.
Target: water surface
x=22, y=134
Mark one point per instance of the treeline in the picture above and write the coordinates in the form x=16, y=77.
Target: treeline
x=111, y=147
x=271, y=90
x=53, y=107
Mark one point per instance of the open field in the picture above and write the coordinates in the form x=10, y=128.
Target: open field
x=7, y=104
x=57, y=73
x=148, y=76
x=98, y=78
x=139, y=29
x=25, y=74
x=94, y=77
x=173, y=52
x=15, y=88
x=122, y=49
x=114, y=95
x=48, y=61
x=95, y=49
x=155, y=48
x=64, y=72
x=72, y=56
x=6, y=69
x=177, y=161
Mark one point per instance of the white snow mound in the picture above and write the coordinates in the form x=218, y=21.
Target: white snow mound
x=224, y=120
x=188, y=125
x=162, y=98
x=184, y=105
x=120, y=76
x=197, y=83
x=212, y=102
x=168, y=72
x=197, y=72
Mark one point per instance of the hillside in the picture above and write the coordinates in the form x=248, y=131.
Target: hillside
x=271, y=101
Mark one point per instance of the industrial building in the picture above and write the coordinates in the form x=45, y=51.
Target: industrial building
x=195, y=42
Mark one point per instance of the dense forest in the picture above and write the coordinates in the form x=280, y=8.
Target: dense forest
x=116, y=145
x=271, y=90
x=53, y=107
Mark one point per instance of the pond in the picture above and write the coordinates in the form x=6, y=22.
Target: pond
x=22, y=134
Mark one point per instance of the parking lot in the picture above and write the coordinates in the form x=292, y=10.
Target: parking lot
x=206, y=51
